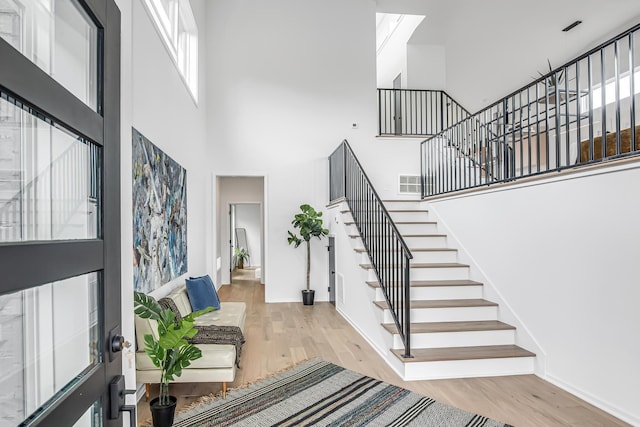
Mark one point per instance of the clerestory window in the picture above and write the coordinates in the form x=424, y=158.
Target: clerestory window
x=176, y=24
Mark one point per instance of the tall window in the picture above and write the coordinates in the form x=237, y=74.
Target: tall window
x=177, y=27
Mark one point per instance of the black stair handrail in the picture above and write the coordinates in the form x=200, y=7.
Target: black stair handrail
x=388, y=252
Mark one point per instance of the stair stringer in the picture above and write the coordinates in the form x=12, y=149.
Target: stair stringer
x=523, y=338
x=354, y=298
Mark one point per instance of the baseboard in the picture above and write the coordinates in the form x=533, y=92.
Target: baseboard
x=599, y=403
x=366, y=338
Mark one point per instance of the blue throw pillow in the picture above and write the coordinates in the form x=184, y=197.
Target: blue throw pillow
x=202, y=293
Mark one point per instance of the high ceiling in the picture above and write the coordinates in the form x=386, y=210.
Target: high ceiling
x=496, y=46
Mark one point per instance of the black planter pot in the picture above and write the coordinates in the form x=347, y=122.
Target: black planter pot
x=163, y=415
x=307, y=296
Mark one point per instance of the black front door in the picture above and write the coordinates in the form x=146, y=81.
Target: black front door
x=59, y=211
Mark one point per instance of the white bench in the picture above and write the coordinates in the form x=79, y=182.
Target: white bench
x=218, y=361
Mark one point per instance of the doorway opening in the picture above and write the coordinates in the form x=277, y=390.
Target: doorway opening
x=240, y=229
x=245, y=220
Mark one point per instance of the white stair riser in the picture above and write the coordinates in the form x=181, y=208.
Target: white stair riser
x=468, y=368
x=426, y=241
x=404, y=205
x=440, y=292
x=449, y=314
x=409, y=216
x=423, y=257
x=446, y=273
x=458, y=339
x=440, y=273
x=434, y=256
x=418, y=228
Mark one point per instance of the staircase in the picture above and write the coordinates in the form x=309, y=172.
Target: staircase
x=454, y=331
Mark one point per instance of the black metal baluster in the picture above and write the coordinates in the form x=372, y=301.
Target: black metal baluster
x=616, y=67
x=567, y=102
x=603, y=84
x=632, y=91
x=579, y=113
x=591, y=131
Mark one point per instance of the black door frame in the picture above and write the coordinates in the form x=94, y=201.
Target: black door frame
x=332, y=270
x=57, y=260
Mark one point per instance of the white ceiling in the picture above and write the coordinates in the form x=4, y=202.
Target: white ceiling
x=494, y=47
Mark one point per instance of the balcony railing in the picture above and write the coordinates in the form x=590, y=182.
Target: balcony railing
x=557, y=122
x=409, y=112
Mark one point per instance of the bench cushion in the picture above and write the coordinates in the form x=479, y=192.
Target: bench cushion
x=181, y=299
x=230, y=314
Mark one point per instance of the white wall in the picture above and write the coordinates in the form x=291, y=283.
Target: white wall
x=391, y=58
x=564, y=254
x=157, y=103
x=230, y=190
x=286, y=79
x=249, y=217
x=426, y=66
x=384, y=159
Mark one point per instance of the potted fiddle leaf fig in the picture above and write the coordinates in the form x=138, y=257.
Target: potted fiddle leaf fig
x=309, y=223
x=171, y=352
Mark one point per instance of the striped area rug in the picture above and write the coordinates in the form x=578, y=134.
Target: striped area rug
x=319, y=393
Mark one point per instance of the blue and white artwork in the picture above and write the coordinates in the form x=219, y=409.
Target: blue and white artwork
x=159, y=216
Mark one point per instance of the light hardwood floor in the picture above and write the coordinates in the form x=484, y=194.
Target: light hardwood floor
x=281, y=335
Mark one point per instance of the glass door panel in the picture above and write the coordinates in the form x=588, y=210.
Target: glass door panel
x=46, y=346
x=59, y=37
x=49, y=179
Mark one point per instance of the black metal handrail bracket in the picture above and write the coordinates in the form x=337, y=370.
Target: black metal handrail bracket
x=389, y=255
x=581, y=113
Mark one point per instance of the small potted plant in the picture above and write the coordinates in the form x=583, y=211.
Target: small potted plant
x=170, y=353
x=241, y=256
x=552, y=82
x=309, y=221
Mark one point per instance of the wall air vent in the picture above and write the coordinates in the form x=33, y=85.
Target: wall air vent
x=409, y=184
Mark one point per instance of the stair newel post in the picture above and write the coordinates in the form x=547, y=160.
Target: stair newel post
x=407, y=307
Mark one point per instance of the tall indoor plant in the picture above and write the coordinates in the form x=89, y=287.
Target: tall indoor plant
x=170, y=352
x=309, y=221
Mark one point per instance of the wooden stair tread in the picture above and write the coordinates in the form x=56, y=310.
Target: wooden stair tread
x=397, y=222
x=463, y=353
x=361, y=250
x=444, y=303
x=427, y=283
x=425, y=265
x=467, y=326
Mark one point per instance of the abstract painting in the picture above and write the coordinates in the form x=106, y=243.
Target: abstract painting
x=159, y=216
